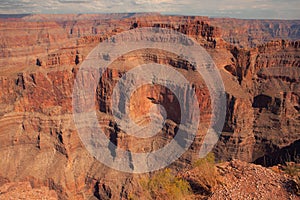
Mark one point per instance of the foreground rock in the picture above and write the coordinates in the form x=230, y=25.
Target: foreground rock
x=248, y=181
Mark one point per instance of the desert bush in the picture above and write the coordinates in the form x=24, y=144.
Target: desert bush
x=209, y=159
x=292, y=169
x=165, y=185
x=206, y=176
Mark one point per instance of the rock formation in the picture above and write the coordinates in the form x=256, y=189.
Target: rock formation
x=40, y=149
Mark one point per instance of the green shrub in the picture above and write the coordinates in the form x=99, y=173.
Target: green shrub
x=208, y=160
x=206, y=175
x=164, y=185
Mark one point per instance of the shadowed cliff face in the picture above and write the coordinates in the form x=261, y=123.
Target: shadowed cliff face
x=270, y=75
x=39, y=141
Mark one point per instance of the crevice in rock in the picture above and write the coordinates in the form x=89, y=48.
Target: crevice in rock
x=113, y=138
x=77, y=60
x=130, y=160
x=20, y=81
x=59, y=137
x=97, y=191
x=262, y=101
x=38, y=142
x=102, y=192
x=32, y=78
x=230, y=122
x=38, y=62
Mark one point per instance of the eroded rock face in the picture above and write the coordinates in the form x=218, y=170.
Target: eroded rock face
x=253, y=33
x=40, y=143
x=271, y=74
x=23, y=190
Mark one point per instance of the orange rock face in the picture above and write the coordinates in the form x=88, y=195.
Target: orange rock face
x=40, y=148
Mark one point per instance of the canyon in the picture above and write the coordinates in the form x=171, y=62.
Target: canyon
x=41, y=55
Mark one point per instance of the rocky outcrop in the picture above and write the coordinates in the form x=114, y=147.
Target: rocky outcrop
x=244, y=180
x=270, y=75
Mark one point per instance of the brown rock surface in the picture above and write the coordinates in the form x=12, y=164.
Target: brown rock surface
x=23, y=190
x=39, y=139
x=248, y=181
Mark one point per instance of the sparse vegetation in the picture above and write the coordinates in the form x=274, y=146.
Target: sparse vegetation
x=165, y=185
x=200, y=181
x=208, y=160
x=206, y=176
x=293, y=170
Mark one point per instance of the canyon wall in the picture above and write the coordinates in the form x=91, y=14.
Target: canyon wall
x=41, y=55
